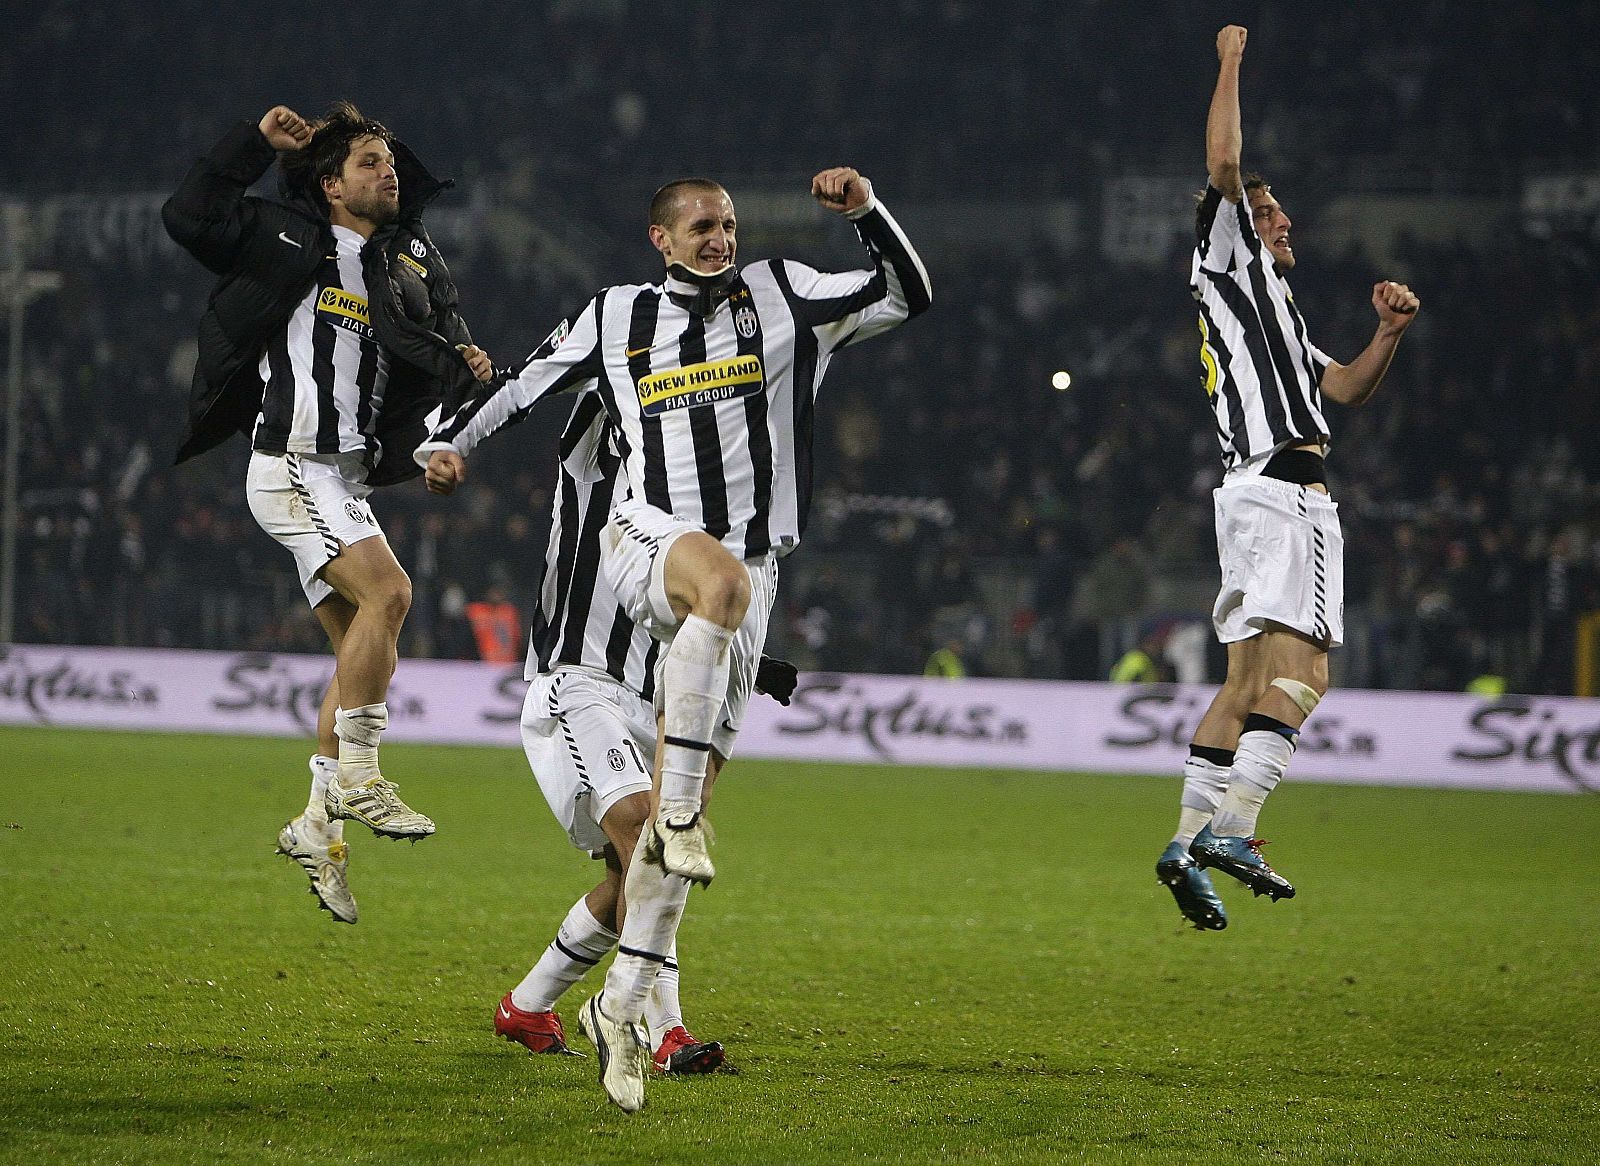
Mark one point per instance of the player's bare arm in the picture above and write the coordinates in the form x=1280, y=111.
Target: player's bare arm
x=841, y=189
x=285, y=129
x=1354, y=383
x=1224, y=137
x=446, y=469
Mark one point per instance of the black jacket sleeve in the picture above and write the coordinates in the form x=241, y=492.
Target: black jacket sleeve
x=209, y=215
x=417, y=318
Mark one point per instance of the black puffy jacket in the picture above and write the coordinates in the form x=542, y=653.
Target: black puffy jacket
x=267, y=253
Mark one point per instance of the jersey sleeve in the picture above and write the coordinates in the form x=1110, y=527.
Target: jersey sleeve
x=844, y=308
x=1320, y=359
x=1225, y=235
x=565, y=360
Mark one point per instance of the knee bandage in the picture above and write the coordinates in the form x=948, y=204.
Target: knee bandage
x=1304, y=696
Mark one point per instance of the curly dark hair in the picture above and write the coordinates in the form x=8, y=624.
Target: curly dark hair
x=332, y=136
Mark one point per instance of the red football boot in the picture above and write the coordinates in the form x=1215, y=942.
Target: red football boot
x=680, y=1052
x=538, y=1032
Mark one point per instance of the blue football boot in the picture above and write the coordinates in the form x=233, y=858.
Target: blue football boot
x=1191, y=886
x=1241, y=858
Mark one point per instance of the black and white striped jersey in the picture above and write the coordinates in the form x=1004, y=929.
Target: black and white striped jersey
x=1262, y=372
x=714, y=413
x=323, y=375
x=579, y=620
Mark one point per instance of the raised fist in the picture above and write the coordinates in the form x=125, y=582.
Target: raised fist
x=285, y=129
x=1396, y=303
x=841, y=189
x=1230, y=42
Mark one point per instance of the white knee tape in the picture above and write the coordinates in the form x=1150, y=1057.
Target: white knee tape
x=1304, y=696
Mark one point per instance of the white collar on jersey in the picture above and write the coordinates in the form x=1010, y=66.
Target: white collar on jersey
x=698, y=292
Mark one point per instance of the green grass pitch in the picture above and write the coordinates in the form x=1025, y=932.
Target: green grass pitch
x=906, y=965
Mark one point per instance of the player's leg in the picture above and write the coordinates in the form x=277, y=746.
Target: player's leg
x=1296, y=598
x=310, y=839
x=655, y=897
x=1283, y=577
x=586, y=936
x=1298, y=667
x=334, y=614
x=368, y=576
x=709, y=591
x=581, y=734
x=1205, y=781
x=677, y=1049
x=1211, y=751
x=1299, y=679
x=526, y=1014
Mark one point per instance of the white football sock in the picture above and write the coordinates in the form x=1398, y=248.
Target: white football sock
x=1258, y=766
x=1204, y=784
x=581, y=942
x=323, y=770
x=662, y=1011
x=655, y=907
x=694, y=683
x=358, y=730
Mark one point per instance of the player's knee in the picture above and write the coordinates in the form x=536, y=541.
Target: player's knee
x=724, y=595
x=394, y=602
x=625, y=821
x=1302, y=695
x=1240, y=692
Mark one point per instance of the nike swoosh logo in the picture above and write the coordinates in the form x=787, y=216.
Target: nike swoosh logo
x=630, y=353
x=504, y=1014
x=285, y=237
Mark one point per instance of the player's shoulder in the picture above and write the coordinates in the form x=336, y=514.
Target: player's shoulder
x=786, y=275
x=627, y=292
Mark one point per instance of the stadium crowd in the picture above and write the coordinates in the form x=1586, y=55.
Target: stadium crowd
x=967, y=505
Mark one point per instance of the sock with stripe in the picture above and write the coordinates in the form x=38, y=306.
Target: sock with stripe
x=323, y=770
x=1265, y=747
x=649, y=935
x=581, y=942
x=694, y=681
x=662, y=1011
x=1205, y=781
x=358, y=730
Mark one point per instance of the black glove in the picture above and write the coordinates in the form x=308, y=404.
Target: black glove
x=776, y=678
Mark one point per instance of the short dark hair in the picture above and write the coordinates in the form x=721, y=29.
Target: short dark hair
x=664, y=203
x=1247, y=183
x=331, y=138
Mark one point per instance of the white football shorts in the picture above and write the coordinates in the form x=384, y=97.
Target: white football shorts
x=1282, y=561
x=634, y=558
x=312, y=504
x=590, y=742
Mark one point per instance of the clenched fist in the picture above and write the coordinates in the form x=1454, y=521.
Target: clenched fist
x=1396, y=304
x=1230, y=42
x=285, y=129
x=445, y=471
x=841, y=189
